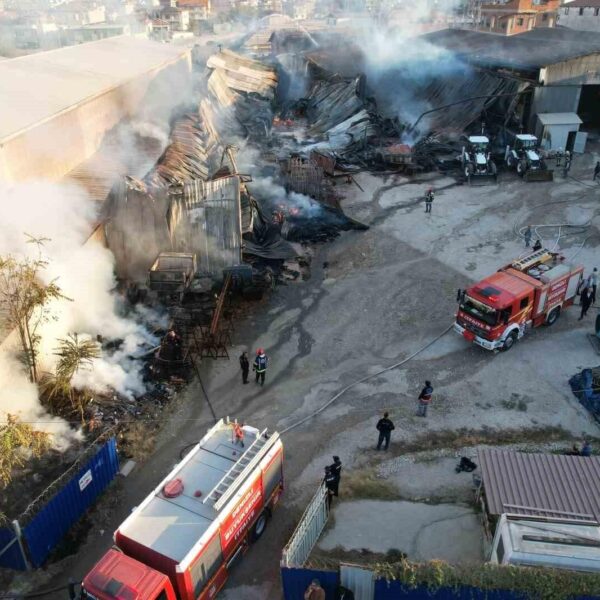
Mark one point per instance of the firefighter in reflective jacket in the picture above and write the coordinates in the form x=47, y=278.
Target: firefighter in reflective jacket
x=260, y=365
x=238, y=434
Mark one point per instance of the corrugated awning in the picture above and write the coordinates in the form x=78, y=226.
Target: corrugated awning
x=547, y=485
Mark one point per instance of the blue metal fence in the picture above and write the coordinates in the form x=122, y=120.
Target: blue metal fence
x=51, y=523
x=48, y=526
x=11, y=555
x=295, y=582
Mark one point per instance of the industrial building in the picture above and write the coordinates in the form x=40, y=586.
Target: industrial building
x=562, y=66
x=57, y=106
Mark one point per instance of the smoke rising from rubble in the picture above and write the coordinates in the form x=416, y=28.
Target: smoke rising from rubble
x=84, y=273
x=398, y=66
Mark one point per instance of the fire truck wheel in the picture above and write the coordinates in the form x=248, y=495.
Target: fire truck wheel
x=553, y=316
x=509, y=342
x=259, y=526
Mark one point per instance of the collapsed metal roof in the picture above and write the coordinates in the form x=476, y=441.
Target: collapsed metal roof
x=547, y=485
x=531, y=50
x=244, y=74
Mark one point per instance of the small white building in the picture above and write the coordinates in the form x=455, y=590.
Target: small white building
x=580, y=14
x=560, y=131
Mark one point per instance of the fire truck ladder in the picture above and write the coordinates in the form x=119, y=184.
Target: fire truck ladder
x=226, y=487
x=531, y=260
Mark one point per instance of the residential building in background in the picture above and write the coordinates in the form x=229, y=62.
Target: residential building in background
x=580, y=14
x=515, y=16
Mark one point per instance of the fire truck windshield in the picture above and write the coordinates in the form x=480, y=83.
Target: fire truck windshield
x=479, y=310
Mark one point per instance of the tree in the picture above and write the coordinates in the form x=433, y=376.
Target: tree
x=73, y=354
x=24, y=300
x=18, y=441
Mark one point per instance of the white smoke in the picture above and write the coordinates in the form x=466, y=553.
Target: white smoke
x=84, y=272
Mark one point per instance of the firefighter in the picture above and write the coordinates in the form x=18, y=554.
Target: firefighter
x=385, y=428
x=429, y=197
x=238, y=434
x=538, y=245
x=260, y=365
x=424, y=399
x=170, y=348
x=245, y=366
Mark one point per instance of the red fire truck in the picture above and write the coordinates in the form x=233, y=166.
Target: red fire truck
x=529, y=292
x=181, y=542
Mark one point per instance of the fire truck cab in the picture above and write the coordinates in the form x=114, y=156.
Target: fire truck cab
x=181, y=542
x=529, y=292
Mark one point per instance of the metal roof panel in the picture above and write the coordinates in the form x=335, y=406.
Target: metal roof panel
x=547, y=485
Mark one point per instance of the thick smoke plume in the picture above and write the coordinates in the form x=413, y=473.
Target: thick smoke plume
x=84, y=272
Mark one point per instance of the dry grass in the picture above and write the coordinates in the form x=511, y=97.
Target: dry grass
x=364, y=484
x=464, y=438
x=137, y=439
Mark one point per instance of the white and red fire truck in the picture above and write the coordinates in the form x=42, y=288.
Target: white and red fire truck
x=181, y=542
x=529, y=292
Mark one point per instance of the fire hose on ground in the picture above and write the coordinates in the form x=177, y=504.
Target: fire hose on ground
x=366, y=378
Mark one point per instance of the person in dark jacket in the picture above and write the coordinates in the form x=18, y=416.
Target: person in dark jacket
x=538, y=245
x=424, y=399
x=245, y=366
x=385, y=428
x=586, y=301
x=586, y=449
x=260, y=365
x=596, y=170
x=336, y=470
x=331, y=483
x=429, y=196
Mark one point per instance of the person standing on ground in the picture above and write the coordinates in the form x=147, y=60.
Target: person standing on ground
x=314, y=591
x=424, y=399
x=429, y=200
x=593, y=285
x=385, y=428
x=527, y=236
x=586, y=449
x=585, y=301
x=331, y=483
x=245, y=366
x=596, y=171
x=260, y=365
x=336, y=470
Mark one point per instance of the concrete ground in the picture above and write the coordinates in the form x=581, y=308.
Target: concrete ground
x=423, y=532
x=384, y=294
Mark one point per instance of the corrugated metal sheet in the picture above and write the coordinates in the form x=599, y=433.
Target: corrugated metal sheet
x=207, y=220
x=244, y=74
x=185, y=158
x=50, y=524
x=358, y=579
x=546, y=485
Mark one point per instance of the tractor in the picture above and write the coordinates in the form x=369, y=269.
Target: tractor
x=525, y=157
x=476, y=159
